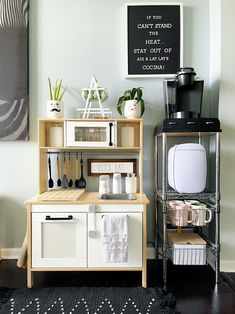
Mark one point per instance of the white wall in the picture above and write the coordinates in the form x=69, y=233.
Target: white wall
x=74, y=39
x=227, y=117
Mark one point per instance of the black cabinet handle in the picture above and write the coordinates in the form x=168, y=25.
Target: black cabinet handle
x=70, y=217
x=110, y=134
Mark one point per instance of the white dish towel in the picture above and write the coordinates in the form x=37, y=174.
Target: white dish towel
x=115, y=238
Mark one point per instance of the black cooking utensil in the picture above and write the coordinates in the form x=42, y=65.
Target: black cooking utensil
x=50, y=181
x=81, y=181
x=76, y=172
x=64, y=180
x=58, y=171
x=70, y=172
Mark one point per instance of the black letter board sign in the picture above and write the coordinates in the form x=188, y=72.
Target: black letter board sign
x=154, y=39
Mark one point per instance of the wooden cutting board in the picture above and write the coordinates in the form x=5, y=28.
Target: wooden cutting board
x=61, y=195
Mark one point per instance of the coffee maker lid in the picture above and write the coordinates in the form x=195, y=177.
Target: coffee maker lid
x=186, y=70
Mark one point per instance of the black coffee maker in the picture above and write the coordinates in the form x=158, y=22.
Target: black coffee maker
x=183, y=95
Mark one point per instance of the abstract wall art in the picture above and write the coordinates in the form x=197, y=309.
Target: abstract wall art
x=14, y=86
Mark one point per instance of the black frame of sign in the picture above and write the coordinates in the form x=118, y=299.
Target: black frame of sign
x=154, y=39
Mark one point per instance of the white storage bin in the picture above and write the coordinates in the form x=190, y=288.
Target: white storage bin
x=187, y=249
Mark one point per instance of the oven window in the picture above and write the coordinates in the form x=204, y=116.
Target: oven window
x=90, y=134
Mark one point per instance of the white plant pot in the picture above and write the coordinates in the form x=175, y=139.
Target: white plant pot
x=55, y=109
x=131, y=109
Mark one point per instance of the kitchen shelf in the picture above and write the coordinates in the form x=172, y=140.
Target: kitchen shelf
x=85, y=148
x=189, y=229
x=135, y=151
x=136, y=124
x=171, y=194
x=166, y=135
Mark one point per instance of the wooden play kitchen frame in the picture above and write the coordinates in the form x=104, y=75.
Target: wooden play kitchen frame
x=80, y=245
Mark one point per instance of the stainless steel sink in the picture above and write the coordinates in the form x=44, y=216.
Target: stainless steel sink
x=121, y=196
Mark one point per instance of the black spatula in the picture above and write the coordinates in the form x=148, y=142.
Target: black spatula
x=58, y=171
x=76, y=179
x=81, y=181
x=70, y=172
x=65, y=182
x=50, y=181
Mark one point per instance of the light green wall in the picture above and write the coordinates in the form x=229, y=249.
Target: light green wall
x=74, y=39
x=227, y=117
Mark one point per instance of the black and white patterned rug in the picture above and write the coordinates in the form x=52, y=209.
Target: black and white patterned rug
x=86, y=300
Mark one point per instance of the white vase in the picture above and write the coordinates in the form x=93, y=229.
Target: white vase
x=55, y=109
x=132, y=109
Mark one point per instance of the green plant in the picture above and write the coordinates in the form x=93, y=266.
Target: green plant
x=56, y=92
x=129, y=94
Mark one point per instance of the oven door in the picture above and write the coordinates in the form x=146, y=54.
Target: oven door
x=98, y=134
x=59, y=240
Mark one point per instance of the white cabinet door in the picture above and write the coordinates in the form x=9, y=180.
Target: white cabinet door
x=59, y=239
x=95, y=243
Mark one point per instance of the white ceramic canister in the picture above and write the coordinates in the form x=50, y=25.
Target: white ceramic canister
x=117, y=183
x=127, y=136
x=56, y=136
x=130, y=183
x=104, y=184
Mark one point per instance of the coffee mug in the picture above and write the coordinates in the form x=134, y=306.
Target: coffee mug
x=191, y=202
x=200, y=216
x=173, y=203
x=179, y=215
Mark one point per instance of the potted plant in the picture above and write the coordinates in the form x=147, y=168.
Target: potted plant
x=55, y=106
x=131, y=105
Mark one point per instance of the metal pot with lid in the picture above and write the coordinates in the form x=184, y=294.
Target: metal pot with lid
x=185, y=76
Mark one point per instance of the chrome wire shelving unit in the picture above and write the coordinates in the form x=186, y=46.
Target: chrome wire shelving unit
x=165, y=137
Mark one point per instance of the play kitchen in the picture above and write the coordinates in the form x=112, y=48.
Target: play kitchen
x=86, y=220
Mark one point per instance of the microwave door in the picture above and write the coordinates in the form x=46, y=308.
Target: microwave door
x=92, y=134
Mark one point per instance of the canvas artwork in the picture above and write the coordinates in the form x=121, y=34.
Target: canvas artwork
x=14, y=91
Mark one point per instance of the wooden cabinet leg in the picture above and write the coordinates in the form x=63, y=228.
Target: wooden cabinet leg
x=29, y=247
x=144, y=277
x=144, y=248
x=29, y=278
